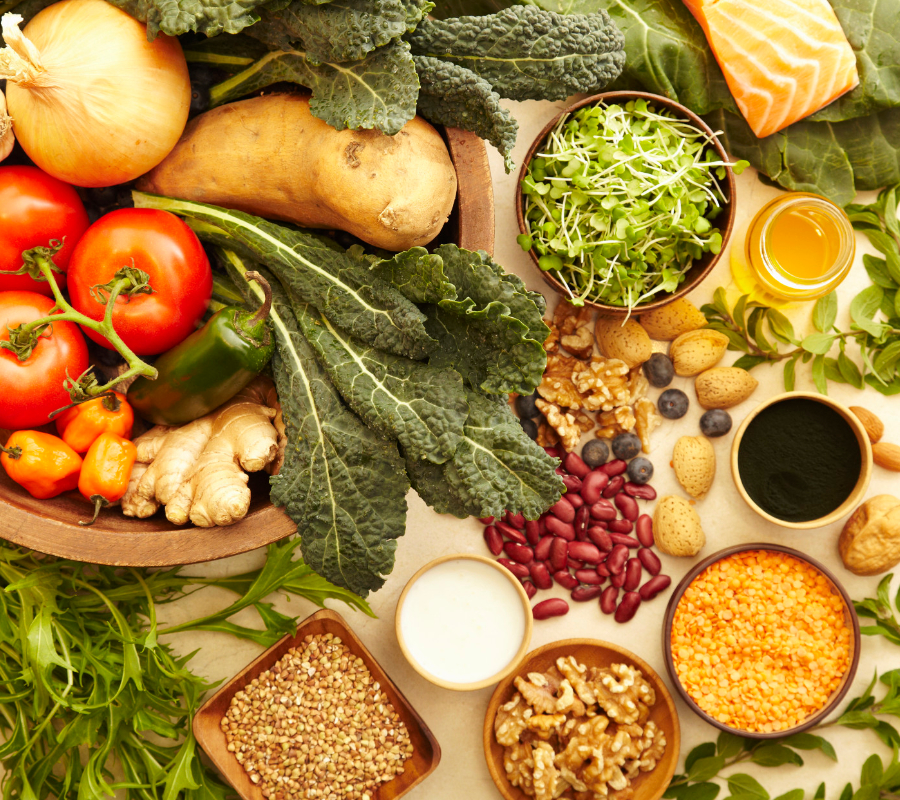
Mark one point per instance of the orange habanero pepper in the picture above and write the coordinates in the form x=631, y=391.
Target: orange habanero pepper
x=106, y=471
x=80, y=425
x=41, y=463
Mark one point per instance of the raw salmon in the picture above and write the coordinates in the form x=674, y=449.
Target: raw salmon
x=783, y=59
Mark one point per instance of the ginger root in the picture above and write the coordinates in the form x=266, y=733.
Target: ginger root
x=199, y=471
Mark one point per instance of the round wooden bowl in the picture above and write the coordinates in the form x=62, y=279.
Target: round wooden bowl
x=850, y=619
x=592, y=653
x=725, y=221
x=51, y=526
x=865, y=474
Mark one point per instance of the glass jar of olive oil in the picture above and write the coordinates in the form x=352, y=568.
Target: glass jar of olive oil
x=800, y=246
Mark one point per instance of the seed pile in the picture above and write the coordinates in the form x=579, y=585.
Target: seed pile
x=317, y=725
x=759, y=640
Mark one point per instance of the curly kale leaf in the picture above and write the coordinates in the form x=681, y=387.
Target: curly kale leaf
x=379, y=91
x=452, y=95
x=526, y=53
x=418, y=274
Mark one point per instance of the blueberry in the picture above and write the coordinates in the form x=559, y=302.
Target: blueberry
x=640, y=470
x=595, y=453
x=715, y=422
x=530, y=428
x=525, y=406
x=626, y=446
x=673, y=404
x=659, y=370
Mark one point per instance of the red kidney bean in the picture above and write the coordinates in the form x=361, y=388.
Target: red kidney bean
x=633, y=570
x=593, y=485
x=644, y=526
x=532, y=532
x=574, y=563
x=493, y=540
x=621, y=538
x=608, y=599
x=516, y=520
x=589, y=576
x=628, y=606
x=554, y=607
x=559, y=528
x=553, y=452
x=485, y=520
x=542, y=524
x=540, y=575
x=614, y=487
x=521, y=553
x=530, y=589
x=585, y=551
x=559, y=551
x=510, y=532
x=600, y=538
x=615, y=561
x=582, y=520
x=603, y=510
x=654, y=586
x=650, y=561
x=620, y=526
x=616, y=467
x=628, y=506
x=575, y=466
x=618, y=580
x=565, y=579
x=542, y=548
x=563, y=509
x=581, y=535
x=572, y=483
x=642, y=490
x=519, y=570
x=603, y=571
x=560, y=471
x=582, y=593
x=576, y=501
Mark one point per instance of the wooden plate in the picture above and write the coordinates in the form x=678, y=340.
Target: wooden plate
x=426, y=753
x=592, y=653
x=51, y=526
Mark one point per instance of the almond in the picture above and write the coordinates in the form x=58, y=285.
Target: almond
x=627, y=340
x=886, y=456
x=673, y=319
x=694, y=461
x=676, y=527
x=696, y=351
x=873, y=425
x=724, y=387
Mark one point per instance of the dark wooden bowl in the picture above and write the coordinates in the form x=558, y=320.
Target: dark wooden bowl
x=51, y=526
x=592, y=653
x=725, y=221
x=850, y=618
x=426, y=751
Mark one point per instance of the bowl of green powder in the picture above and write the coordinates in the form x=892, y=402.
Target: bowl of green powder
x=801, y=460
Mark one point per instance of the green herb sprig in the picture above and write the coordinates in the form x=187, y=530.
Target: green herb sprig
x=879, y=609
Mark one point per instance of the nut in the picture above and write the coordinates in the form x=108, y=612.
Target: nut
x=887, y=456
x=873, y=425
x=676, y=527
x=672, y=320
x=694, y=461
x=569, y=425
x=696, y=351
x=627, y=341
x=724, y=387
x=869, y=544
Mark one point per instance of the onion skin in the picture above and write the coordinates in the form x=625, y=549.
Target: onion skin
x=112, y=105
x=7, y=139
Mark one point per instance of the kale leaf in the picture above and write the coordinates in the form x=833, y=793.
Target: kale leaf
x=209, y=17
x=526, y=53
x=418, y=274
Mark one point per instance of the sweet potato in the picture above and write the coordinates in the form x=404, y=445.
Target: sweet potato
x=271, y=157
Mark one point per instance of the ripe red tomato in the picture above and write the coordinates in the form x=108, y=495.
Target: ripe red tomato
x=35, y=208
x=161, y=245
x=33, y=388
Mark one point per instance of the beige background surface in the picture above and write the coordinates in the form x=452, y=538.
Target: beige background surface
x=455, y=718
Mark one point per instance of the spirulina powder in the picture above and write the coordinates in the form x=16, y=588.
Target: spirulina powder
x=799, y=460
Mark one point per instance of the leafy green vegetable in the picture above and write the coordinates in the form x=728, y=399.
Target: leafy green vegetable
x=884, y=621
x=209, y=17
x=418, y=274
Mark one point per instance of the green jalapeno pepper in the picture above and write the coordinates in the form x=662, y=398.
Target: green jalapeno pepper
x=209, y=367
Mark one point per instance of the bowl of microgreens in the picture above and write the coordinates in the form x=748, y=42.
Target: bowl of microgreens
x=625, y=201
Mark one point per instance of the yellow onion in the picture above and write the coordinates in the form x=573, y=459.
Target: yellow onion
x=93, y=102
x=7, y=139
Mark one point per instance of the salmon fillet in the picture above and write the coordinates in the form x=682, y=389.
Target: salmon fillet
x=782, y=59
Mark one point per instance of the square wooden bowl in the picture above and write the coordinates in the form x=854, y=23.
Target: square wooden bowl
x=426, y=753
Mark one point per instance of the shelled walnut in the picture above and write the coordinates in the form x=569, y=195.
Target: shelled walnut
x=580, y=733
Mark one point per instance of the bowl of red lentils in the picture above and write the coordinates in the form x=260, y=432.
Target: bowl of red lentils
x=761, y=640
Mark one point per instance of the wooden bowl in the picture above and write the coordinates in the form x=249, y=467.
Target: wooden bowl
x=850, y=619
x=865, y=474
x=51, y=526
x=426, y=754
x=592, y=653
x=725, y=221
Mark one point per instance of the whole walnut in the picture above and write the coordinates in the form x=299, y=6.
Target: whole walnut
x=870, y=541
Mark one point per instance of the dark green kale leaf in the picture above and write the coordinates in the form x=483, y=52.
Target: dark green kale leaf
x=526, y=53
x=418, y=274
x=429, y=482
x=416, y=11
x=209, y=17
x=454, y=96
